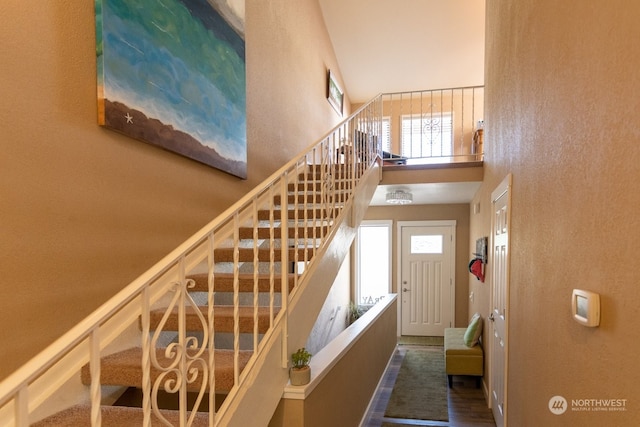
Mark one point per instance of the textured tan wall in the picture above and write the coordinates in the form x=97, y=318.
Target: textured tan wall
x=562, y=101
x=457, y=212
x=341, y=396
x=84, y=210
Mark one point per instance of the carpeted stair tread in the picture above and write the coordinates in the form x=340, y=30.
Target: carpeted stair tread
x=223, y=282
x=310, y=184
x=320, y=173
x=264, y=254
x=223, y=318
x=124, y=368
x=114, y=416
x=265, y=232
x=299, y=198
x=320, y=213
x=310, y=198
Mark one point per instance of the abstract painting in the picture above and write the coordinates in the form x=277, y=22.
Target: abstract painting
x=172, y=73
x=335, y=95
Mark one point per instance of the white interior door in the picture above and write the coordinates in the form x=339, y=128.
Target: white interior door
x=427, y=277
x=499, y=299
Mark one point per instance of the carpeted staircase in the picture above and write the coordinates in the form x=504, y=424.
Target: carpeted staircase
x=123, y=368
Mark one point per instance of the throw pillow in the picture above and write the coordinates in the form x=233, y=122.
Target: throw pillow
x=474, y=330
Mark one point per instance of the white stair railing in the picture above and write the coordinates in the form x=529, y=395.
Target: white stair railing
x=289, y=218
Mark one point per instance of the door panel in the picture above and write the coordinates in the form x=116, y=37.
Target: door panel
x=426, y=283
x=499, y=300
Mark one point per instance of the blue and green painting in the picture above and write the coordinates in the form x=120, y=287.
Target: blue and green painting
x=172, y=73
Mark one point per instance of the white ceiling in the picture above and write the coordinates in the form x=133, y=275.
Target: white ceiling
x=402, y=45
x=426, y=194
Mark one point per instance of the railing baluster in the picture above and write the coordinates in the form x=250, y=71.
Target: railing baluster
x=272, y=256
x=21, y=406
x=296, y=219
x=256, y=273
x=236, y=299
x=96, y=390
x=284, y=259
x=312, y=179
x=461, y=121
x=211, y=362
x=146, y=360
x=182, y=339
x=310, y=203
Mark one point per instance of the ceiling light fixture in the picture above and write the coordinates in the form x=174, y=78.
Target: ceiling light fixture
x=399, y=197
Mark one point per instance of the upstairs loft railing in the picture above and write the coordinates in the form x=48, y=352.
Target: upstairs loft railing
x=283, y=222
x=433, y=126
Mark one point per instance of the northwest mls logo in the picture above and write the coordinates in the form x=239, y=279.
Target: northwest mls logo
x=558, y=405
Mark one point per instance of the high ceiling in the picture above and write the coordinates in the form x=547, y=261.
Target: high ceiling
x=402, y=45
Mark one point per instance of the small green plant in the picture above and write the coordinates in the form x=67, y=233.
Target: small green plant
x=355, y=311
x=300, y=358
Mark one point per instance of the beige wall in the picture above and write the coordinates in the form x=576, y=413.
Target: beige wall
x=562, y=101
x=342, y=394
x=334, y=315
x=457, y=212
x=84, y=210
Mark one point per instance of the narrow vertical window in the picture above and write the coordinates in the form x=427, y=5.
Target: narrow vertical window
x=373, y=260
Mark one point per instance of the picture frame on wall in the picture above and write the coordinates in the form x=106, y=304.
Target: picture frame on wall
x=335, y=94
x=161, y=78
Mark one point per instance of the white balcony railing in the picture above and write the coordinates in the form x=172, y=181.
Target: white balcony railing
x=434, y=126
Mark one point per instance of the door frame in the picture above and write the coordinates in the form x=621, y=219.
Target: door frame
x=503, y=189
x=440, y=223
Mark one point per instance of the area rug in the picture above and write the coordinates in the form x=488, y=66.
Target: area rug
x=413, y=340
x=420, y=390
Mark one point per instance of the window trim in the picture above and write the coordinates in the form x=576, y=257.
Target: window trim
x=372, y=223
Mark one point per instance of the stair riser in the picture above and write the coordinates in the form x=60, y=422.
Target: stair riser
x=223, y=322
x=310, y=198
x=319, y=214
x=124, y=369
x=223, y=282
x=265, y=233
x=264, y=255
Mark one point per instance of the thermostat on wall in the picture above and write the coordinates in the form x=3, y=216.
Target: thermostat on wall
x=585, y=307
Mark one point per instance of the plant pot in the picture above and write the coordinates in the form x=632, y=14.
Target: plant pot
x=300, y=376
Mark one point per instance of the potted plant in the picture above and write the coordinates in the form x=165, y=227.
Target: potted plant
x=355, y=311
x=300, y=373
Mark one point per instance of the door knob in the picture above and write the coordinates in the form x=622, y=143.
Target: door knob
x=491, y=317
x=405, y=290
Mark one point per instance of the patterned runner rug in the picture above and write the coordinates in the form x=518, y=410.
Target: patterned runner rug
x=420, y=391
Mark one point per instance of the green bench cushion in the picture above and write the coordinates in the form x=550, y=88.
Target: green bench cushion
x=454, y=343
x=460, y=359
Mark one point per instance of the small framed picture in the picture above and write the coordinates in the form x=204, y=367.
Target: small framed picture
x=335, y=95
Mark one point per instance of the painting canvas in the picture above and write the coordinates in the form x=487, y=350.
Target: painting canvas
x=335, y=95
x=172, y=73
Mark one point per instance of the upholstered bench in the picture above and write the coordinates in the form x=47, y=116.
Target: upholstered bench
x=461, y=359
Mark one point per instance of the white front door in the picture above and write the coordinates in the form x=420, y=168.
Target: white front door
x=500, y=202
x=426, y=282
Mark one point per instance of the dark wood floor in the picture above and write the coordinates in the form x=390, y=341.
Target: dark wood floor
x=467, y=405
